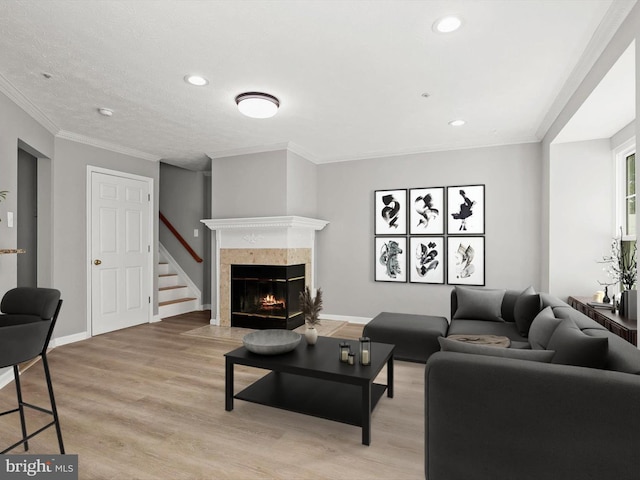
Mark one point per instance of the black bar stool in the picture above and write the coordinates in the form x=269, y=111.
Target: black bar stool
x=26, y=324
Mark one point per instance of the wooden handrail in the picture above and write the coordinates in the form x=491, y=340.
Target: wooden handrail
x=180, y=238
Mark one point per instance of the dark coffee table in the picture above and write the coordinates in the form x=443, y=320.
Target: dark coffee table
x=313, y=381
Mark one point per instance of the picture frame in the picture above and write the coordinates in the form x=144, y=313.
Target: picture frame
x=426, y=211
x=390, y=259
x=390, y=212
x=427, y=260
x=466, y=260
x=466, y=210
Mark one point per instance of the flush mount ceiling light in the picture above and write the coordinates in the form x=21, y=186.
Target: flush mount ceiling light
x=457, y=123
x=107, y=112
x=447, y=24
x=257, y=105
x=196, y=80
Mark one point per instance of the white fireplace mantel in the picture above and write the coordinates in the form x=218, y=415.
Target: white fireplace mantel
x=261, y=236
x=265, y=222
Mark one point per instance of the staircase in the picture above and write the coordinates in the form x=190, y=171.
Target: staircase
x=176, y=293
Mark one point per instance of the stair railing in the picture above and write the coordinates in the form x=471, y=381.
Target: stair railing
x=176, y=234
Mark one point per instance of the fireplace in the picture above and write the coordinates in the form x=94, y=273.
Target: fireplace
x=266, y=296
x=277, y=241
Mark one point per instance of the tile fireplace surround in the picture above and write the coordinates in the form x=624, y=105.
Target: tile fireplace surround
x=286, y=240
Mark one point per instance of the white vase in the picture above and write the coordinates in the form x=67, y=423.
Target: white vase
x=311, y=335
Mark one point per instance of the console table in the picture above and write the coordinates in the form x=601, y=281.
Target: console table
x=614, y=322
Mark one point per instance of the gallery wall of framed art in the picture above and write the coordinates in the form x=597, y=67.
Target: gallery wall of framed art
x=430, y=235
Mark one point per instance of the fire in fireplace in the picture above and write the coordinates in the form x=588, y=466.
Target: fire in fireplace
x=266, y=296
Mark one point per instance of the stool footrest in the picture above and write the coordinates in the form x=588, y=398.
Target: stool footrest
x=28, y=437
x=35, y=407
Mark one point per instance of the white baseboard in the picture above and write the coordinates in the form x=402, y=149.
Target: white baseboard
x=155, y=318
x=76, y=337
x=206, y=306
x=346, y=318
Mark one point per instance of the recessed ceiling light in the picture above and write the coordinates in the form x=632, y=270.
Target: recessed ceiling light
x=447, y=24
x=257, y=105
x=196, y=80
x=425, y=95
x=47, y=75
x=457, y=123
x=107, y=112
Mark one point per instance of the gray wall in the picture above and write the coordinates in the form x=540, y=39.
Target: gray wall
x=253, y=185
x=345, y=247
x=16, y=126
x=70, y=223
x=182, y=202
x=301, y=186
x=582, y=216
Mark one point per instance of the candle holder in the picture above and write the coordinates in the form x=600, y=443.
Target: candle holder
x=365, y=351
x=345, y=350
x=352, y=358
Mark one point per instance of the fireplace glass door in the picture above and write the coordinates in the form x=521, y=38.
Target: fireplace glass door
x=266, y=296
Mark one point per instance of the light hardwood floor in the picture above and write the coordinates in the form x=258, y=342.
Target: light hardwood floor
x=148, y=403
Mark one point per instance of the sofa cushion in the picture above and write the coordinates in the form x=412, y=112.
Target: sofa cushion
x=622, y=356
x=449, y=345
x=575, y=348
x=542, y=328
x=479, y=304
x=509, y=304
x=482, y=327
x=527, y=306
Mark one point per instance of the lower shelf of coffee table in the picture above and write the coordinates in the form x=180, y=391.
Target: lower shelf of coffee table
x=335, y=401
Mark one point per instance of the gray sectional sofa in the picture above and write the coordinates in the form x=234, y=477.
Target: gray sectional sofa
x=573, y=414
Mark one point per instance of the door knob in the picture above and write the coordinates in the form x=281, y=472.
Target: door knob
x=97, y=262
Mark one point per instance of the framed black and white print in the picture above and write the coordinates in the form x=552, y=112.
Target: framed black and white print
x=465, y=260
x=390, y=257
x=465, y=215
x=426, y=259
x=390, y=212
x=426, y=211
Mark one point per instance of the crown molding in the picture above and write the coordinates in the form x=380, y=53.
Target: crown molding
x=25, y=104
x=94, y=142
x=425, y=150
x=306, y=154
x=248, y=150
x=265, y=222
x=611, y=22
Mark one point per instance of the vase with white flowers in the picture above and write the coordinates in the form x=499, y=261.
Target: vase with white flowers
x=311, y=307
x=622, y=268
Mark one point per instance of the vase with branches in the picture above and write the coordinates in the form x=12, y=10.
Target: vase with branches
x=311, y=306
x=621, y=264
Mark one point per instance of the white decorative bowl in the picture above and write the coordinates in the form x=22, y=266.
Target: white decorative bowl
x=271, y=342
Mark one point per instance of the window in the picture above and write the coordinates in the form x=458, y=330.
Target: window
x=626, y=190
x=630, y=194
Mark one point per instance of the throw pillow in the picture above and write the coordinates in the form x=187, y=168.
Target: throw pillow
x=575, y=348
x=479, y=304
x=449, y=345
x=527, y=306
x=542, y=328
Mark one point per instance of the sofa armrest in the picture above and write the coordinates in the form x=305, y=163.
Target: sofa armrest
x=497, y=418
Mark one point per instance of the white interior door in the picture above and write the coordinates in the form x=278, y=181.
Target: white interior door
x=120, y=252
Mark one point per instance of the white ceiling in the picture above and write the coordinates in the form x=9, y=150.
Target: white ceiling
x=349, y=74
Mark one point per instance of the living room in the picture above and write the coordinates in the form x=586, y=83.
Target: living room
x=536, y=207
